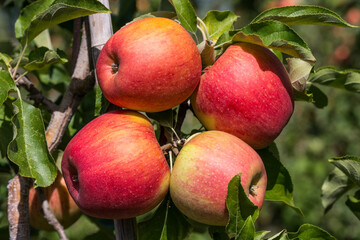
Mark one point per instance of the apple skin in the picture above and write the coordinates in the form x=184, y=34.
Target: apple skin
x=62, y=205
x=114, y=167
x=247, y=93
x=159, y=65
x=203, y=170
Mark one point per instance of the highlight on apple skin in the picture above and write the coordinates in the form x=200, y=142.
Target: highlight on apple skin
x=203, y=170
x=149, y=65
x=114, y=167
x=248, y=93
x=61, y=204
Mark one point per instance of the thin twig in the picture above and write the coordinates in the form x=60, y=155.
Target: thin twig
x=49, y=215
x=166, y=147
x=36, y=95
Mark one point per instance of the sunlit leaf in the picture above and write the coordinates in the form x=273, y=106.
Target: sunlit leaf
x=186, y=14
x=42, y=57
x=7, y=84
x=5, y=60
x=28, y=149
x=277, y=36
x=219, y=22
x=295, y=15
x=43, y=14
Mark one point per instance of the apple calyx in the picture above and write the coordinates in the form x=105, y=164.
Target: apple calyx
x=252, y=190
x=114, y=68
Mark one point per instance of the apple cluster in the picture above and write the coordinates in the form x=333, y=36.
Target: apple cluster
x=114, y=167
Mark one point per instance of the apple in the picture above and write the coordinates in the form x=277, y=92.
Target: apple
x=149, y=65
x=247, y=93
x=62, y=205
x=203, y=170
x=114, y=167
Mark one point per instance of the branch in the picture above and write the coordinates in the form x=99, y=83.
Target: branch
x=82, y=82
x=36, y=95
x=125, y=229
x=18, y=207
x=49, y=215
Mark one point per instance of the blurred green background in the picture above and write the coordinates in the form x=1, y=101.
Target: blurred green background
x=312, y=136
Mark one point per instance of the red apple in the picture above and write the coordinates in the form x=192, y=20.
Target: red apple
x=150, y=65
x=247, y=93
x=114, y=167
x=203, y=170
x=62, y=205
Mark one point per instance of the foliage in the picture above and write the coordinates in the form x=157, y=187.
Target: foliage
x=271, y=29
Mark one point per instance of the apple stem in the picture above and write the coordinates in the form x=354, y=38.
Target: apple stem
x=171, y=161
x=125, y=229
x=204, y=30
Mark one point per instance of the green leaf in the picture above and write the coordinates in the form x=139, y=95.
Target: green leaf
x=319, y=98
x=277, y=36
x=207, y=53
x=239, y=206
x=353, y=202
x=186, y=14
x=5, y=128
x=279, y=184
x=280, y=236
x=42, y=58
x=344, y=79
x=167, y=223
x=296, y=15
x=247, y=232
x=165, y=118
x=28, y=149
x=308, y=231
x=312, y=94
x=350, y=165
x=260, y=235
x=299, y=72
x=6, y=60
x=335, y=185
x=43, y=14
x=7, y=84
x=218, y=22
x=101, y=103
